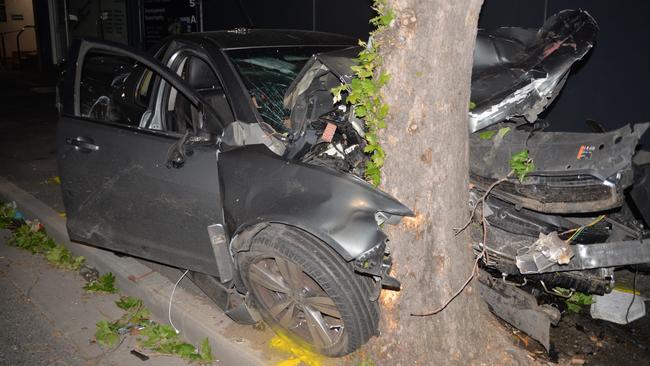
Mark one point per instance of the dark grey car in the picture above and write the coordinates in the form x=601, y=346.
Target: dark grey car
x=184, y=158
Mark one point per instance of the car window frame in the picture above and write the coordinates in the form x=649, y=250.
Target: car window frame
x=179, y=50
x=86, y=46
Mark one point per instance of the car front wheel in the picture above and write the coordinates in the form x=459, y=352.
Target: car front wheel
x=305, y=290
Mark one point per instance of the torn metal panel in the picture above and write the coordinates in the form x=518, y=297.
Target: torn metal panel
x=547, y=251
x=337, y=62
x=517, y=72
x=589, y=256
x=519, y=308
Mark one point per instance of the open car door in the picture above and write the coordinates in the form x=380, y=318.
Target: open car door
x=129, y=185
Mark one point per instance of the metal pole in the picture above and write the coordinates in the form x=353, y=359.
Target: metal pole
x=67, y=29
x=201, y=15
x=18, y=47
x=545, y=10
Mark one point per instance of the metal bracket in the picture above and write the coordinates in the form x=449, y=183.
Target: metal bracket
x=603, y=255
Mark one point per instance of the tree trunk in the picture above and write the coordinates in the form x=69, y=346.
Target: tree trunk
x=428, y=53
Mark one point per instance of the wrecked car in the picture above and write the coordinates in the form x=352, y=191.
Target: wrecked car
x=189, y=158
x=583, y=212
x=225, y=154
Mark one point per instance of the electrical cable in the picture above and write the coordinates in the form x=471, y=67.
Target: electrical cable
x=627, y=313
x=171, y=297
x=579, y=230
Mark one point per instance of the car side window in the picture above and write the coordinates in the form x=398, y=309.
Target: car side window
x=145, y=86
x=107, y=89
x=178, y=111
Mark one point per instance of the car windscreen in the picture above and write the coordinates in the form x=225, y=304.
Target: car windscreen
x=267, y=74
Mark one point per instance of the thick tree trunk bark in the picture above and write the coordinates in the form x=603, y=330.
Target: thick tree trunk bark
x=428, y=53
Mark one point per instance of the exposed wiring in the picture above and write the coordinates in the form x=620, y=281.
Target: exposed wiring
x=557, y=293
x=579, y=230
x=505, y=275
x=627, y=313
x=171, y=297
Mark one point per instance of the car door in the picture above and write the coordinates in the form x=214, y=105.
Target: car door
x=119, y=190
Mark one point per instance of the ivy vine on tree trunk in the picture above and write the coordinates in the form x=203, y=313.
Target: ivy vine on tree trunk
x=363, y=92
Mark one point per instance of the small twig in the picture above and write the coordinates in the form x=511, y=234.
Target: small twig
x=458, y=230
x=469, y=279
x=484, y=253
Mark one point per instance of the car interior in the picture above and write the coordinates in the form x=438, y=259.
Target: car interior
x=200, y=76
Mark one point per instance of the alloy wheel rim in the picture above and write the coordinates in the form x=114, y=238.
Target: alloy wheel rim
x=296, y=301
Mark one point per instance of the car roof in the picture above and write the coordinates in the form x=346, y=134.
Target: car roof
x=257, y=38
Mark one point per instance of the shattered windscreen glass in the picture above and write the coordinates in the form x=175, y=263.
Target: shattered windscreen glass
x=268, y=73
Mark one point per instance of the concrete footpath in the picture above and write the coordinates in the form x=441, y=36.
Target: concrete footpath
x=193, y=314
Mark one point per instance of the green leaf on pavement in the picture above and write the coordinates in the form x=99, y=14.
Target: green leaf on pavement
x=106, y=333
x=62, y=258
x=105, y=283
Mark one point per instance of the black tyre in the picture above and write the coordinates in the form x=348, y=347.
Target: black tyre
x=304, y=288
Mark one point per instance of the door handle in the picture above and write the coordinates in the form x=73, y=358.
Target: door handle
x=82, y=144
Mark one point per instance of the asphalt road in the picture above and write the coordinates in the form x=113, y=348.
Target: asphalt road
x=47, y=318
x=28, y=336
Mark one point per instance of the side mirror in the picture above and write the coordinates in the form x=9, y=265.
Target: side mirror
x=178, y=152
x=184, y=147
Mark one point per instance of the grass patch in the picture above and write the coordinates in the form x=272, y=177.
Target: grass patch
x=158, y=338
x=30, y=235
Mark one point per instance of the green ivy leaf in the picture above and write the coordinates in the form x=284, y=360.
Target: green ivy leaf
x=503, y=131
x=363, y=91
x=522, y=164
x=487, y=135
x=105, y=283
x=128, y=303
x=205, y=352
x=577, y=300
x=62, y=258
x=106, y=333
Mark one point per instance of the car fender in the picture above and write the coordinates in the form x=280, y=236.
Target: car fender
x=260, y=187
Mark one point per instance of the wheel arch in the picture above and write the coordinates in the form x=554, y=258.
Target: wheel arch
x=244, y=236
